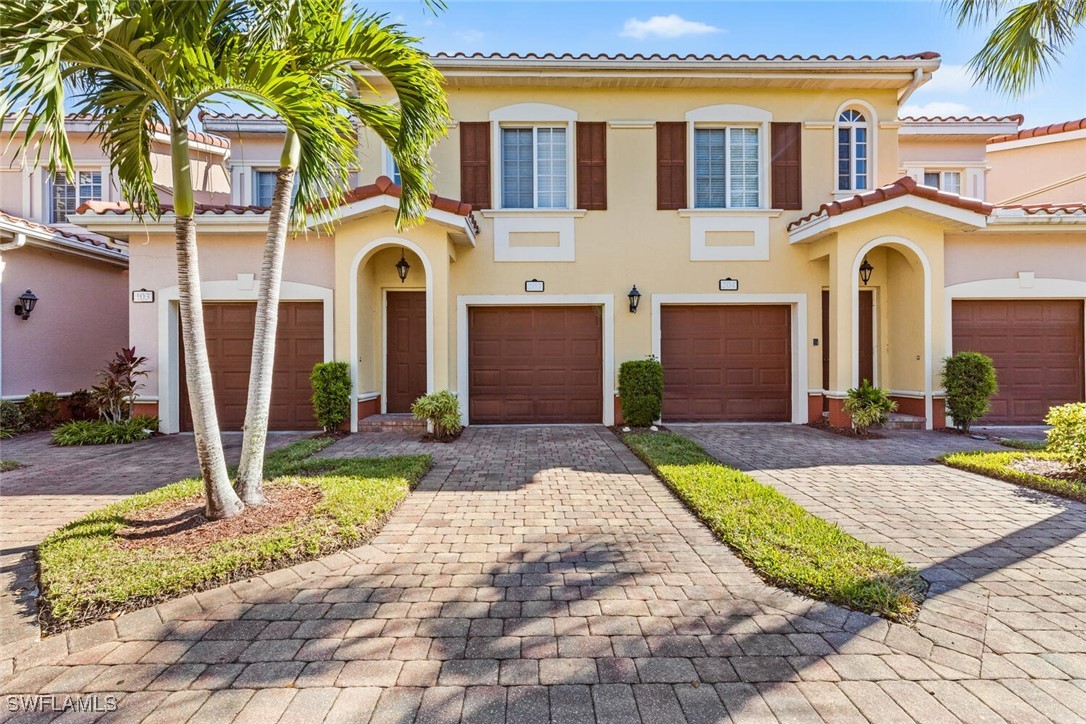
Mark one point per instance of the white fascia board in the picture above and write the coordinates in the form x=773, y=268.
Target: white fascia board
x=385, y=202
x=963, y=217
x=1038, y=140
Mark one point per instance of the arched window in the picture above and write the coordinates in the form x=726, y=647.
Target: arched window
x=853, y=153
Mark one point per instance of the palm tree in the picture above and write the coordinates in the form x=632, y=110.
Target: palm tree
x=137, y=66
x=336, y=46
x=1029, y=37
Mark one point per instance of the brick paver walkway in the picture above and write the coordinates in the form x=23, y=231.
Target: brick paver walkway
x=543, y=573
x=59, y=485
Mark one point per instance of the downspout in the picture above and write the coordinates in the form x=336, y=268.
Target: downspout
x=919, y=78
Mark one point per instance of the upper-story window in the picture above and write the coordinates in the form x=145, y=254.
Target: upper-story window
x=949, y=181
x=68, y=195
x=263, y=188
x=534, y=169
x=726, y=168
x=853, y=152
x=391, y=168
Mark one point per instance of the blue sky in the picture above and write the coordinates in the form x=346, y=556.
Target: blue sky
x=870, y=27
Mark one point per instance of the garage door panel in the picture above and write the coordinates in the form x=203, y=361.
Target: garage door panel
x=535, y=364
x=727, y=362
x=229, y=327
x=1037, y=349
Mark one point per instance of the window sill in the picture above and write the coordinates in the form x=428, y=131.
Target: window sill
x=839, y=195
x=522, y=213
x=757, y=213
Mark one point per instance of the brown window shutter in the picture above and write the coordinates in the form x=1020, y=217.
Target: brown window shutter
x=671, y=165
x=475, y=163
x=592, y=165
x=786, y=170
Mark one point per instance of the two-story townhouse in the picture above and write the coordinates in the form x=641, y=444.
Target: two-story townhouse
x=79, y=278
x=767, y=212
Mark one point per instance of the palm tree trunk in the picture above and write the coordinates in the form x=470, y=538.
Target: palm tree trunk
x=222, y=501
x=250, y=481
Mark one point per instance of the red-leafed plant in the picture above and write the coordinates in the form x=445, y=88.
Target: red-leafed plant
x=117, y=385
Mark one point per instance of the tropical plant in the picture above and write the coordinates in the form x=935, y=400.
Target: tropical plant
x=641, y=389
x=331, y=394
x=117, y=385
x=141, y=66
x=1067, y=438
x=441, y=410
x=11, y=418
x=337, y=46
x=41, y=410
x=104, y=432
x=1027, y=40
x=868, y=405
x=969, y=379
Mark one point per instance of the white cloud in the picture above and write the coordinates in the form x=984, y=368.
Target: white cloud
x=949, y=79
x=665, y=26
x=935, y=108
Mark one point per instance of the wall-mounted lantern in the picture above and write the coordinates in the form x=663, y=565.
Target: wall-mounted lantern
x=635, y=299
x=25, y=305
x=402, y=267
x=865, y=271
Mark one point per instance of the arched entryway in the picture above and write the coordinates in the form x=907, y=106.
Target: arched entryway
x=391, y=326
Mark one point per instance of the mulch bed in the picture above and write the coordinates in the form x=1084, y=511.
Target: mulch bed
x=1048, y=469
x=845, y=431
x=181, y=525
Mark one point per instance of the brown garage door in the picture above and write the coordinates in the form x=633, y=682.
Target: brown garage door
x=1037, y=348
x=299, y=345
x=726, y=363
x=535, y=364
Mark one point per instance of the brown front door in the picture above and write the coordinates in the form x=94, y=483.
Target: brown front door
x=1036, y=347
x=535, y=364
x=866, y=341
x=405, y=360
x=726, y=363
x=299, y=345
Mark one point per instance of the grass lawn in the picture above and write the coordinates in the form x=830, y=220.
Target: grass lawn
x=6, y=466
x=782, y=542
x=1000, y=465
x=87, y=571
x=1024, y=444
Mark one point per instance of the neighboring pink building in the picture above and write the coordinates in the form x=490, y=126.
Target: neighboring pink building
x=80, y=278
x=1044, y=165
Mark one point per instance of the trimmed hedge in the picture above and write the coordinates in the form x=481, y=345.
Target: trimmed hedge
x=641, y=389
x=969, y=379
x=331, y=394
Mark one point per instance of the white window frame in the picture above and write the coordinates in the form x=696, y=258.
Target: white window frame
x=728, y=116
x=255, y=186
x=530, y=115
x=388, y=165
x=103, y=180
x=942, y=178
x=535, y=166
x=727, y=128
x=871, y=123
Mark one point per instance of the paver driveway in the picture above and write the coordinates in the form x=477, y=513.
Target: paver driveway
x=543, y=573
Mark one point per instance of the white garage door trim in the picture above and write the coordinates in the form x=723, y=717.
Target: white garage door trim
x=529, y=300
x=798, y=304
x=242, y=289
x=1024, y=286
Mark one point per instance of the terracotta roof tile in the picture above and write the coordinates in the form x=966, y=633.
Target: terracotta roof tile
x=210, y=140
x=928, y=55
x=1055, y=128
x=1013, y=118
x=385, y=186
x=81, y=237
x=1078, y=207
x=211, y=115
x=119, y=207
x=904, y=186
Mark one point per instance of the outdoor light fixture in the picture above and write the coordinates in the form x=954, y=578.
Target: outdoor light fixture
x=865, y=271
x=635, y=299
x=25, y=305
x=402, y=267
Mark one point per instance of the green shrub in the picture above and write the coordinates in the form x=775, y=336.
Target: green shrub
x=969, y=379
x=1067, y=438
x=81, y=405
x=11, y=419
x=331, y=394
x=41, y=410
x=641, y=389
x=442, y=411
x=103, y=432
x=868, y=405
